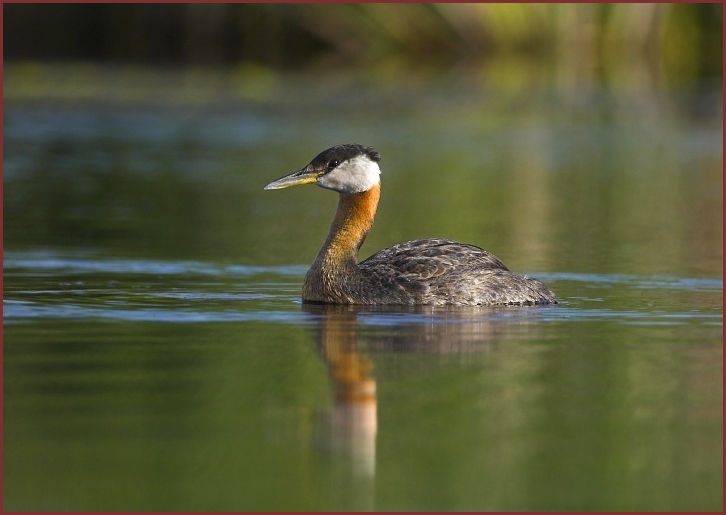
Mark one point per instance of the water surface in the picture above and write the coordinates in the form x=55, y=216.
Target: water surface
x=157, y=356
x=216, y=386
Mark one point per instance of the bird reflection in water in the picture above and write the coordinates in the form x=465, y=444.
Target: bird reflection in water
x=349, y=431
x=354, y=417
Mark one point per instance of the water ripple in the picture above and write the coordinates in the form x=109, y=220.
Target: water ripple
x=37, y=287
x=45, y=262
x=24, y=310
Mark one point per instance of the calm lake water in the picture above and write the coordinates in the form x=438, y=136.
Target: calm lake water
x=157, y=356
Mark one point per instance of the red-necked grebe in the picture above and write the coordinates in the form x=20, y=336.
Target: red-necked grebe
x=429, y=271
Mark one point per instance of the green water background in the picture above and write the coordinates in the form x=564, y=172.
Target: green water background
x=155, y=353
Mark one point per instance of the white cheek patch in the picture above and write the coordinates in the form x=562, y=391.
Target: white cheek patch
x=352, y=176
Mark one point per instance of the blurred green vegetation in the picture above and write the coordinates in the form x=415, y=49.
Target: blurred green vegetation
x=671, y=42
x=587, y=137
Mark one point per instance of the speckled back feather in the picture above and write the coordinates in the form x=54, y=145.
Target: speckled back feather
x=439, y=271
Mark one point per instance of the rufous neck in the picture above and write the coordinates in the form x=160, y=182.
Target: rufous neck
x=353, y=219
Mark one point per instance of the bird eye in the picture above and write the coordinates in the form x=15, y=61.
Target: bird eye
x=334, y=163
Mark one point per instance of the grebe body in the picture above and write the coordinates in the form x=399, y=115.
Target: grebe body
x=428, y=271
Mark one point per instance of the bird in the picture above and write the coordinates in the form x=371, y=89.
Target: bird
x=432, y=271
